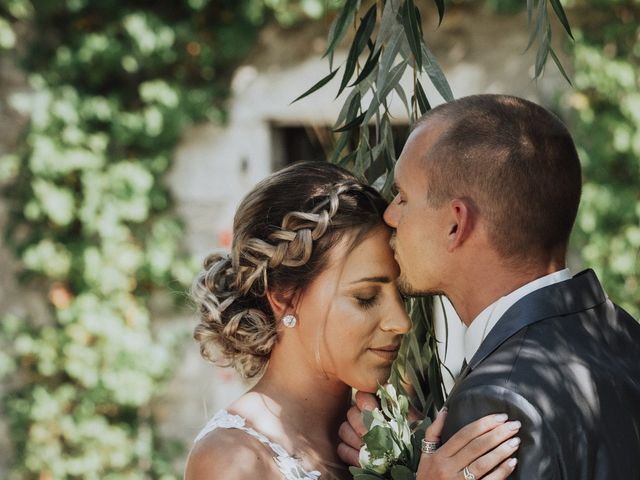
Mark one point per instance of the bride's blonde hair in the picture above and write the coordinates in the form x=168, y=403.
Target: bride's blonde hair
x=283, y=232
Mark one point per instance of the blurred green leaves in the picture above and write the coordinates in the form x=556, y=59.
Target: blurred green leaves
x=113, y=84
x=605, y=116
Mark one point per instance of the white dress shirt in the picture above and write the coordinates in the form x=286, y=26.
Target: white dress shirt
x=487, y=319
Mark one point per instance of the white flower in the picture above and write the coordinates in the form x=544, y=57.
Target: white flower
x=378, y=465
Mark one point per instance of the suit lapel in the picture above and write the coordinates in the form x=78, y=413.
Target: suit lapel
x=580, y=293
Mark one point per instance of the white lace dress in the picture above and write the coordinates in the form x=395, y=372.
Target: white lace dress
x=289, y=465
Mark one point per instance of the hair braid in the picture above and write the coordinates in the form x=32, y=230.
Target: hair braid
x=236, y=321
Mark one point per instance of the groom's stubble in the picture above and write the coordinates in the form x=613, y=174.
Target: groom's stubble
x=404, y=285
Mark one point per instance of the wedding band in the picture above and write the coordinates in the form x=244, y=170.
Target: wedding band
x=467, y=474
x=429, y=447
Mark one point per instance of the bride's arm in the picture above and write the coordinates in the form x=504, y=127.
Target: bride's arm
x=225, y=454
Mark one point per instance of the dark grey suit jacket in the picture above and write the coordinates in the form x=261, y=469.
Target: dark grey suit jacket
x=565, y=361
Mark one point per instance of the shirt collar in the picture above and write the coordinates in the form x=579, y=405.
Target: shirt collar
x=487, y=319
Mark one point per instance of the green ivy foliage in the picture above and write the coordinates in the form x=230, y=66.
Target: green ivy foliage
x=606, y=122
x=603, y=112
x=114, y=83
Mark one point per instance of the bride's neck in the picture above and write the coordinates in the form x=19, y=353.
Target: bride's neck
x=301, y=396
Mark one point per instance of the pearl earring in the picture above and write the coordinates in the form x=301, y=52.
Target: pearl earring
x=289, y=320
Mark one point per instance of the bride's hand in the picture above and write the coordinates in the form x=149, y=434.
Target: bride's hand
x=480, y=447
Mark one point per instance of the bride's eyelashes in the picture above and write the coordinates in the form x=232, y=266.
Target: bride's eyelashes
x=366, y=301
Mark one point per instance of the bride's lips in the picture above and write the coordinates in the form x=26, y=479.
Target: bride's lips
x=387, y=352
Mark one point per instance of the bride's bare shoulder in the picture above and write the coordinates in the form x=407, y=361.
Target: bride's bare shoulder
x=229, y=453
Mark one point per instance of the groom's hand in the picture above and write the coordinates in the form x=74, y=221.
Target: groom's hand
x=352, y=430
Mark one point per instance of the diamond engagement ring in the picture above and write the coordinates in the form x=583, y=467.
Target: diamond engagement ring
x=467, y=474
x=429, y=447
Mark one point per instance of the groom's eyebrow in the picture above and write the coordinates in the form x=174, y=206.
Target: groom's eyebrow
x=380, y=279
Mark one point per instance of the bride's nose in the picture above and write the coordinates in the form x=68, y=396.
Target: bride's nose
x=396, y=319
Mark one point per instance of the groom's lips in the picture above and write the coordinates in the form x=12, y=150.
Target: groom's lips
x=388, y=352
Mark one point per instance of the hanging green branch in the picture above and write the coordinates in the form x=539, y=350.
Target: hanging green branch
x=399, y=47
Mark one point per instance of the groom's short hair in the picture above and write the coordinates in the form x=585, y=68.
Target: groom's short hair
x=516, y=162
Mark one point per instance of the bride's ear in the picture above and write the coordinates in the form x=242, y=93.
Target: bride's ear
x=283, y=303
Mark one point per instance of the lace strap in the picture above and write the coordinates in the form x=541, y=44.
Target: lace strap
x=288, y=465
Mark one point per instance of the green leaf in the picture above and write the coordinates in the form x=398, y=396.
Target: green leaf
x=400, y=472
x=345, y=161
x=557, y=7
x=318, y=85
x=388, y=57
x=435, y=383
x=363, y=34
x=412, y=31
x=403, y=97
x=369, y=66
x=394, y=77
x=367, y=476
x=379, y=440
x=352, y=124
x=556, y=60
x=367, y=418
x=414, y=347
x=440, y=5
x=436, y=75
x=354, y=107
x=540, y=17
x=421, y=97
x=340, y=144
x=417, y=384
x=543, y=52
x=342, y=22
x=389, y=24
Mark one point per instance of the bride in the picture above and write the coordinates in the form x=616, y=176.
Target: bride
x=307, y=301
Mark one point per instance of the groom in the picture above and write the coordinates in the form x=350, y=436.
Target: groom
x=488, y=190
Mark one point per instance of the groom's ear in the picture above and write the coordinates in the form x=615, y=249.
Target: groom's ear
x=462, y=222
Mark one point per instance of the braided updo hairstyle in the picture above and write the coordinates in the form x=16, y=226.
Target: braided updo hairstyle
x=283, y=232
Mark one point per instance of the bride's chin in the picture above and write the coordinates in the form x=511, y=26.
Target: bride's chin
x=370, y=385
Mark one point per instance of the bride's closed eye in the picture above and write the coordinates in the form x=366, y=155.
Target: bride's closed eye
x=366, y=301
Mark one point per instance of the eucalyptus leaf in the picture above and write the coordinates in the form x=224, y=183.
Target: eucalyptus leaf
x=352, y=124
x=389, y=22
x=378, y=440
x=367, y=418
x=369, y=66
x=400, y=472
x=389, y=56
x=347, y=159
x=536, y=31
x=318, y=85
x=440, y=5
x=403, y=97
x=436, y=75
x=359, y=43
x=556, y=60
x=344, y=111
x=421, y=97
x=394, y=77
x=343, y=139
x=366, y=476
x=412, y=31
x=543, y=52
x=557, y=7
x=416, y=383
x=342, y=22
